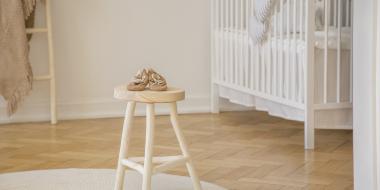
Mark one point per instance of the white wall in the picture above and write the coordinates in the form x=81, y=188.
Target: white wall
x=364, y=94
x=101, y=43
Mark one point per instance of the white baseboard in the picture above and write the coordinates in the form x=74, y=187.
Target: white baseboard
x=106, y=108
x=103, y=108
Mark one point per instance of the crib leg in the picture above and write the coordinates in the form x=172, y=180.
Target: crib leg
x=309, y=131
x=214, y=98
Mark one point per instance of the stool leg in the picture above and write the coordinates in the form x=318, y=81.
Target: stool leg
x=182, y=143
x=125, y=138
x=149, y=139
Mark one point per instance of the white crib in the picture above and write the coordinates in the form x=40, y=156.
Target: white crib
x=302, y=72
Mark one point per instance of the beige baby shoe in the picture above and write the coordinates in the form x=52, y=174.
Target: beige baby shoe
x=140, y=81
x=156, y=81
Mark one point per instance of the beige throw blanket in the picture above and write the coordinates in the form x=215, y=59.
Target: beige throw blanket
x=16, y=75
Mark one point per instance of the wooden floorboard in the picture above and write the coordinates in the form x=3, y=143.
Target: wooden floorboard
x=237, y=150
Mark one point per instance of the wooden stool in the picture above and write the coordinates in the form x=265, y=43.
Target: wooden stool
x=171, y=96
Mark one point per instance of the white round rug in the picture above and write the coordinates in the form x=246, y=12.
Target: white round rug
x=91, y=179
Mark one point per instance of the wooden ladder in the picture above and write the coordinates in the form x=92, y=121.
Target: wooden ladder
x=51, y=75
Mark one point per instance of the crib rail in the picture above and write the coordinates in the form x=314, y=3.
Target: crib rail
x=278, y=69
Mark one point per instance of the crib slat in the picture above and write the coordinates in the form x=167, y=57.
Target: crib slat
x=236, y=61
x=335, y=13
x=228, y=42
x=281, y=58
x=221, y=39
x=262, y=68
x=269, y=62
x=236, y=43
x=301, y=20
x=300, y=64
x=348, y=16
x=215, y=44
x=275, y=63
x=351, y=52
x=253, y=56
x=257, y=64
x=252, y=63
x=338, y=70
x=246, y=45
x=287, y=69
x=329, y=7
x=216, y=37
x=231, y=41
x=225, y=40
x=294, y=62
x=224, y=37
x=326, y=31
x=301, y=78
x=242, y=44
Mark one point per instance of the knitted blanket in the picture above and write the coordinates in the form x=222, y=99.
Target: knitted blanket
x=261, y=21
x=16, y=75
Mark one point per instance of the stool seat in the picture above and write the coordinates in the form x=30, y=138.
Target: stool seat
x=148, y=96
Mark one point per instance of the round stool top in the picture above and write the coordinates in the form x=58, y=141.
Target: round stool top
x=148, y=96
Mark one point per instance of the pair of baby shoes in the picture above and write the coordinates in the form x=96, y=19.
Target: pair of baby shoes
x=147, y=78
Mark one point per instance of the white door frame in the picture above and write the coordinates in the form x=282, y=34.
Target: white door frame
x=377, y=96
x=366, y=94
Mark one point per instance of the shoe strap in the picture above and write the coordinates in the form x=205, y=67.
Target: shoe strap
x=157, y=79
x=139, y=77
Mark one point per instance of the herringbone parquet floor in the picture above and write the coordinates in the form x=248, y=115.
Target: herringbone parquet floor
x=238, y=150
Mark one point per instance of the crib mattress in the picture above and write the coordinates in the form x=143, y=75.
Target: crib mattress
x=345, y=36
